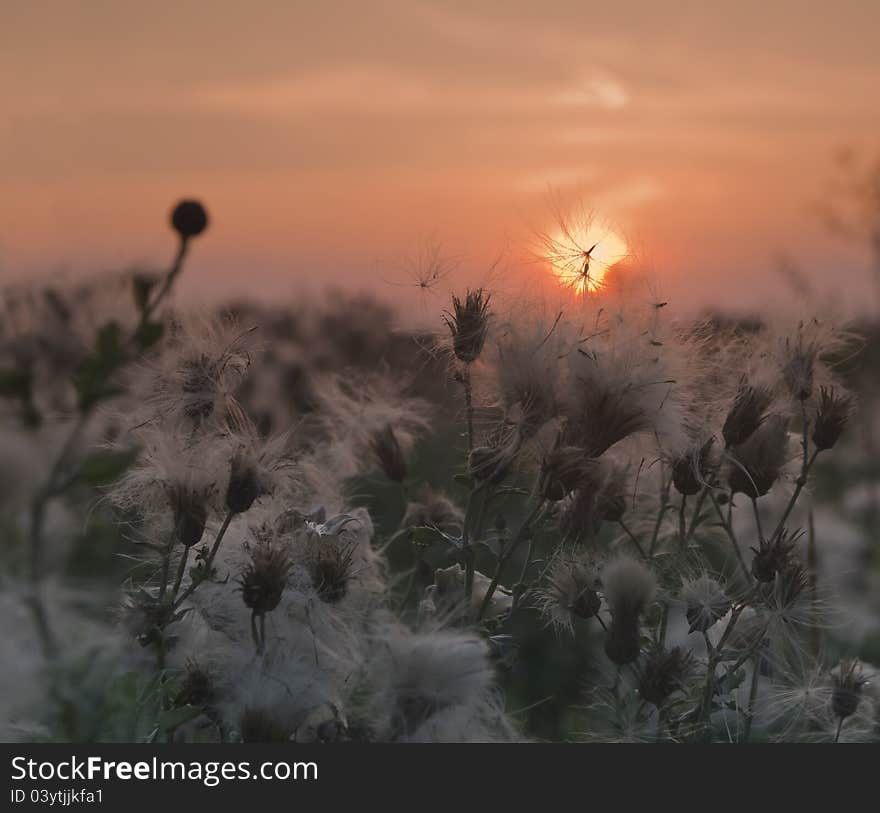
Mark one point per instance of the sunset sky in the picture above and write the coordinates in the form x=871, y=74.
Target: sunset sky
x=326, y=138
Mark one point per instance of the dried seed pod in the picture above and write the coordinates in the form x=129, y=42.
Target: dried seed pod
x=663, y=673
x=757, y=463
x=831, y=418
x=774, y=555
x=245, y=484
x=848, y=684
x=332, y=568
x=746, y=414
x=190, y=515
x=264, y=577
x=691, y=471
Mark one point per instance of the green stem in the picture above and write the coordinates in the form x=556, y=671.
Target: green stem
x=732, y=536
x=633, y=539
x=753, y=694
x=181, y=569
x=506, y=554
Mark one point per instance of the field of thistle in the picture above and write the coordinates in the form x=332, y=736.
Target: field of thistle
x=587, y=522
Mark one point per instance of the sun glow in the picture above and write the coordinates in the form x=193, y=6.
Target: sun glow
x=581, y=256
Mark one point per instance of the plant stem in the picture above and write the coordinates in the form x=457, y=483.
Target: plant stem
x=725, y=522
x=507, y=553
x=753, y=693
x=208, y=562
x=682, y=521
x=633, y=539
x=664, y=505
x=181, y=569
x=757, y=518
x=468, y=405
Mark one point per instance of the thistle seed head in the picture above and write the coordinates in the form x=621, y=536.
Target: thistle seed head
x=705, y=602
x=190, y=515
x=469, y=324
x=664, y=673
x=489, y=464
x=196, y=688
x=245, y=484
x=261, y=725
x=265, y=576
x=332, y=568
x=849, y=681
x=570, y=593
x=757, y=464
x=690, y=472
x=746, y=415
x=774, y=555
x=832, y=415
x=389, y=453
x=563, y=470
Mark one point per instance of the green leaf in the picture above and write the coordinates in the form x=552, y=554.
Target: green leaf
x=92, y=380
x=427, y=535
x=173, y=718
x=106, y=466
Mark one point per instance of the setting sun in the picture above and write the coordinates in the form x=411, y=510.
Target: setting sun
x=581, y=256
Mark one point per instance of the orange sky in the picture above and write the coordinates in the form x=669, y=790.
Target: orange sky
x=327, y=137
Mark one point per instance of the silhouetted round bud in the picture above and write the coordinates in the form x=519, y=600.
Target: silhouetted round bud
x=189, y=219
